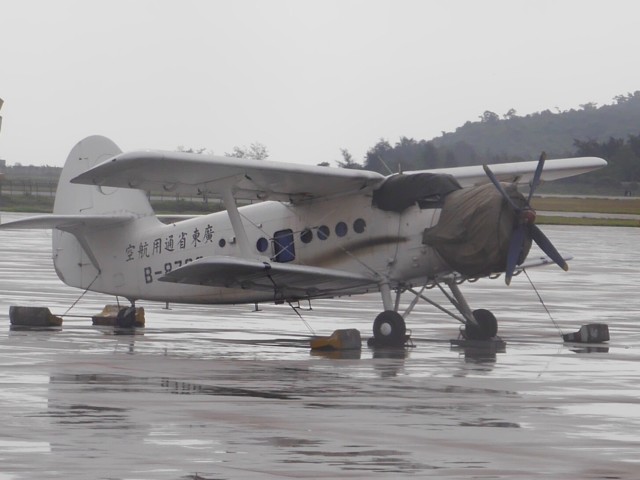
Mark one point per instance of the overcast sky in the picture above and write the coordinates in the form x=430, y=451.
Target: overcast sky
x=304, y=78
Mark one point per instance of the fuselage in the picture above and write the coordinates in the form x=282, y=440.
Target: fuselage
x=345, y=233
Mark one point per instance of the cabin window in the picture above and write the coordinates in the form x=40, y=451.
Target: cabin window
x=323, y=232
x=306, y=235
x=222, y=242
x=262, y=244
x=341, y=229
x=283, y=246
x=359, y=225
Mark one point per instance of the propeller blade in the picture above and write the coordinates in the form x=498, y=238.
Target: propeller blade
x=547, y=247
x=536, y=176
x=515, y=249
x=500, y=188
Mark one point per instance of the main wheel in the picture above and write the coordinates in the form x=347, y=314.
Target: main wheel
x=487, y=326
x=389, y=329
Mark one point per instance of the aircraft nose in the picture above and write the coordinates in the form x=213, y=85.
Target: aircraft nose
x=475, y=227
x=525, y=229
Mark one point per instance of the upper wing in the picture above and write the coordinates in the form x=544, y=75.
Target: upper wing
x=287, y=280
x=522, y=172
x=194, y=174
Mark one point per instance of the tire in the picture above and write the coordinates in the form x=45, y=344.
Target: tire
x=126, y=318
x=487, y=326
x=389, y=329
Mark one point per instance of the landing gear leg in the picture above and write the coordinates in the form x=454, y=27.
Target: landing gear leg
x=478, y=324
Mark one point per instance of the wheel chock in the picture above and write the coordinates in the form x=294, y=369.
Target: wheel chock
x=33, y=317
x=111, y=316
x=590, y=333
x=348, y=339
x=494, y=344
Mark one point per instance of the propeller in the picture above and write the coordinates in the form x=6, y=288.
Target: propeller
x=525, y=226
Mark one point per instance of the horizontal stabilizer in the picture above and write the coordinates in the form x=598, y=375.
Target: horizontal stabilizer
x=67, y=222
x=288, y=280
x=77, y=225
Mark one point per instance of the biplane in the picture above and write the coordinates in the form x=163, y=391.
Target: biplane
x=292, y=232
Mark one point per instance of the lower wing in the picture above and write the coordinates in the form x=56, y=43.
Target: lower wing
x=288, y=281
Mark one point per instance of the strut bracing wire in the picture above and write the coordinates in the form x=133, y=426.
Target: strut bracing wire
x=302, y=318
x=275, y=294
x=80, y=297
x=542, y=302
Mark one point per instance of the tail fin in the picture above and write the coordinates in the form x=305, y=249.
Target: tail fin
x=76, y=199
x=76, y=261
x=90, y=224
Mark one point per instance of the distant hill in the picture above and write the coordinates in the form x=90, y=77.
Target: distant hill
x=524, y=137
x=610, y=131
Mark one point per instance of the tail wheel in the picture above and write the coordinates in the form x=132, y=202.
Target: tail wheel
x=126, y=318
x=389, y=329
x=487, y=326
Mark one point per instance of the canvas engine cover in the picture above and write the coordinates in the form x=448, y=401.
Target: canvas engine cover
x=474, y=230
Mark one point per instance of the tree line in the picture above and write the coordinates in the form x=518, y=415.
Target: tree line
x=622, y=154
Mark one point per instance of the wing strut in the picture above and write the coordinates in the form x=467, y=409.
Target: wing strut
x=236, y=222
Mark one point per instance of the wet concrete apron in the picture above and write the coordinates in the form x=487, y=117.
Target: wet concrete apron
x=226, y=392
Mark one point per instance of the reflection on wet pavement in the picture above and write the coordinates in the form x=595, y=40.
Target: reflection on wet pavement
x=226, y=392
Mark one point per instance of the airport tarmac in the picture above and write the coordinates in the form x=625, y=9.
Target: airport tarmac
x=212, y=392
